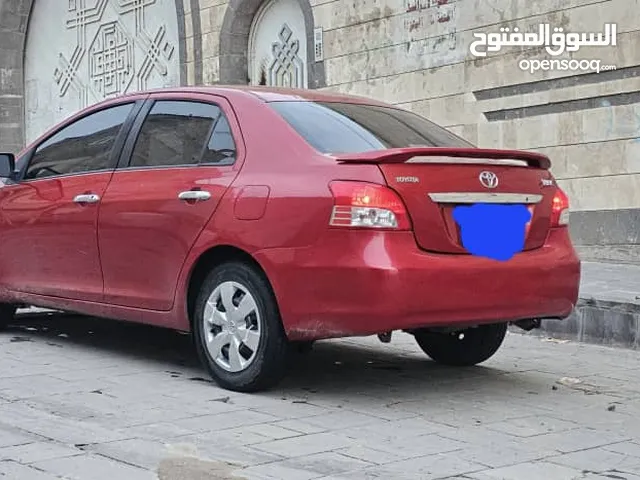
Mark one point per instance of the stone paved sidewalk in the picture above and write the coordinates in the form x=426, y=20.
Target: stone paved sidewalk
x=95, y=400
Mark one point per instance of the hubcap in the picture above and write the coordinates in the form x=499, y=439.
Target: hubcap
x=232, y=326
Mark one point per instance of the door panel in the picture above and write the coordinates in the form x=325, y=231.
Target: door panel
x=49, y=219
x=49, y=244
x=182, y=161
x=146, y=231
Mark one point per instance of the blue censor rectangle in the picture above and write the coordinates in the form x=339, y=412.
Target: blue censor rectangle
x=492, y=231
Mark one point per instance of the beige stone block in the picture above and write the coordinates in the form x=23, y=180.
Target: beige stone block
x=210, y=70
x=186, y=4
x=611, y=123
x=470, y=133
x=597, y=193
x=424, y=55
x=213, y=17
x=534, y=132
x=570, y=127
x=205, y=4
x=205, y=21
x=191, y=73
x=332, y=15
x=448, y=110
x=211, y=44
x=509, y=135
x=409, y=87
x=490, y=135
x=456, y=129
x=481, y=12
x=594, y=159
x=189, y=54
x=391, y=31
x=188, y=25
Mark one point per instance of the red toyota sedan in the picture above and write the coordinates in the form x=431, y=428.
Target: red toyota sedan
x=265, y=219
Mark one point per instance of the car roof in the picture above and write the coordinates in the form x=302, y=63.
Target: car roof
x=265, y=94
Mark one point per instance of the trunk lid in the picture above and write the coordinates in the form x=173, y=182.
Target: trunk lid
x=434, y=181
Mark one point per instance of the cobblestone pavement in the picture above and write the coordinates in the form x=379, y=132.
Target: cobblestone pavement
x=88, y=399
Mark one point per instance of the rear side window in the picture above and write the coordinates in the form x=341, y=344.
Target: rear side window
x=353, y=128
x=177, y=133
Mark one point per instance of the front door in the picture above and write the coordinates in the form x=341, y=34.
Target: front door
x=49, y=218
x=183, y=160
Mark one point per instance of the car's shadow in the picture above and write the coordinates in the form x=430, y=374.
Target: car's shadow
x=331, y=367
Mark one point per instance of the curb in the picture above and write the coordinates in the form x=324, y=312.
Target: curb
x=594, y=321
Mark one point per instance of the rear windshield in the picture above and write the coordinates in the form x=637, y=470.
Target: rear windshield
x=354, y=128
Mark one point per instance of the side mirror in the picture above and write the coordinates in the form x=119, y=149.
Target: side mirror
x=7, y=165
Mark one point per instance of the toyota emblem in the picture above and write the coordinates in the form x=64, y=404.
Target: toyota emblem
x=488, y=179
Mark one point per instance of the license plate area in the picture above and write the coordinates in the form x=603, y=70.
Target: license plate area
x=448, y=201
x=492, y=230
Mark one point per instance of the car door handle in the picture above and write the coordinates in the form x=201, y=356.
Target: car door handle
x=194, y=195
x=87, y=198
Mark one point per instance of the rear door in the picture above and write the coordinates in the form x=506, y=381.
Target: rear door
x=180, y=159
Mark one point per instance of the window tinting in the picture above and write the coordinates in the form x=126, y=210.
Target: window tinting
x=221, y=148
x=354, y=128
x=174, y=133
x=84, y=146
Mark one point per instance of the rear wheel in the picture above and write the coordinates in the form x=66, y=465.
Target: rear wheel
x=462, y=348
x=238, y=331
x=7, y=313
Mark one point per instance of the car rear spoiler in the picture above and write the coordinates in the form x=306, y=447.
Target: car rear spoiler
x=402, y=155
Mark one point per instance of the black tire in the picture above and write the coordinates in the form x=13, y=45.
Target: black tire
x=268, y=361
x=7, y=314
x=476, y=345
x=303, y=347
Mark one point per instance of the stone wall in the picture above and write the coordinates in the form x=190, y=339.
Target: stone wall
x=415, y=53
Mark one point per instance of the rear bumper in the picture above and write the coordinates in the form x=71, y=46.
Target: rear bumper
x=354, y=283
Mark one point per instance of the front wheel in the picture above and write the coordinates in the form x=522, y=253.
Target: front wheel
x=462, y=348
x=7, y=313
x=237, y=329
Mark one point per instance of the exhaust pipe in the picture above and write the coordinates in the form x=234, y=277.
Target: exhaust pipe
x=528, y=324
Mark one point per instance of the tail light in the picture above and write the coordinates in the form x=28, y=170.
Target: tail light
x=367, y=205
x=560, y=209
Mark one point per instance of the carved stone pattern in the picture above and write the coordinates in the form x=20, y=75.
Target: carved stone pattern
x=111, y=63
x=286, y=68
x=110, y=60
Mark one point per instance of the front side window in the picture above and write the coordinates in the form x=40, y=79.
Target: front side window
x=355, y=128
x=179, y=133
x=84, y=146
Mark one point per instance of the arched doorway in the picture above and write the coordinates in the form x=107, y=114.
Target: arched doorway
x=278, y=45
x=250, y=29
x=85, y=51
